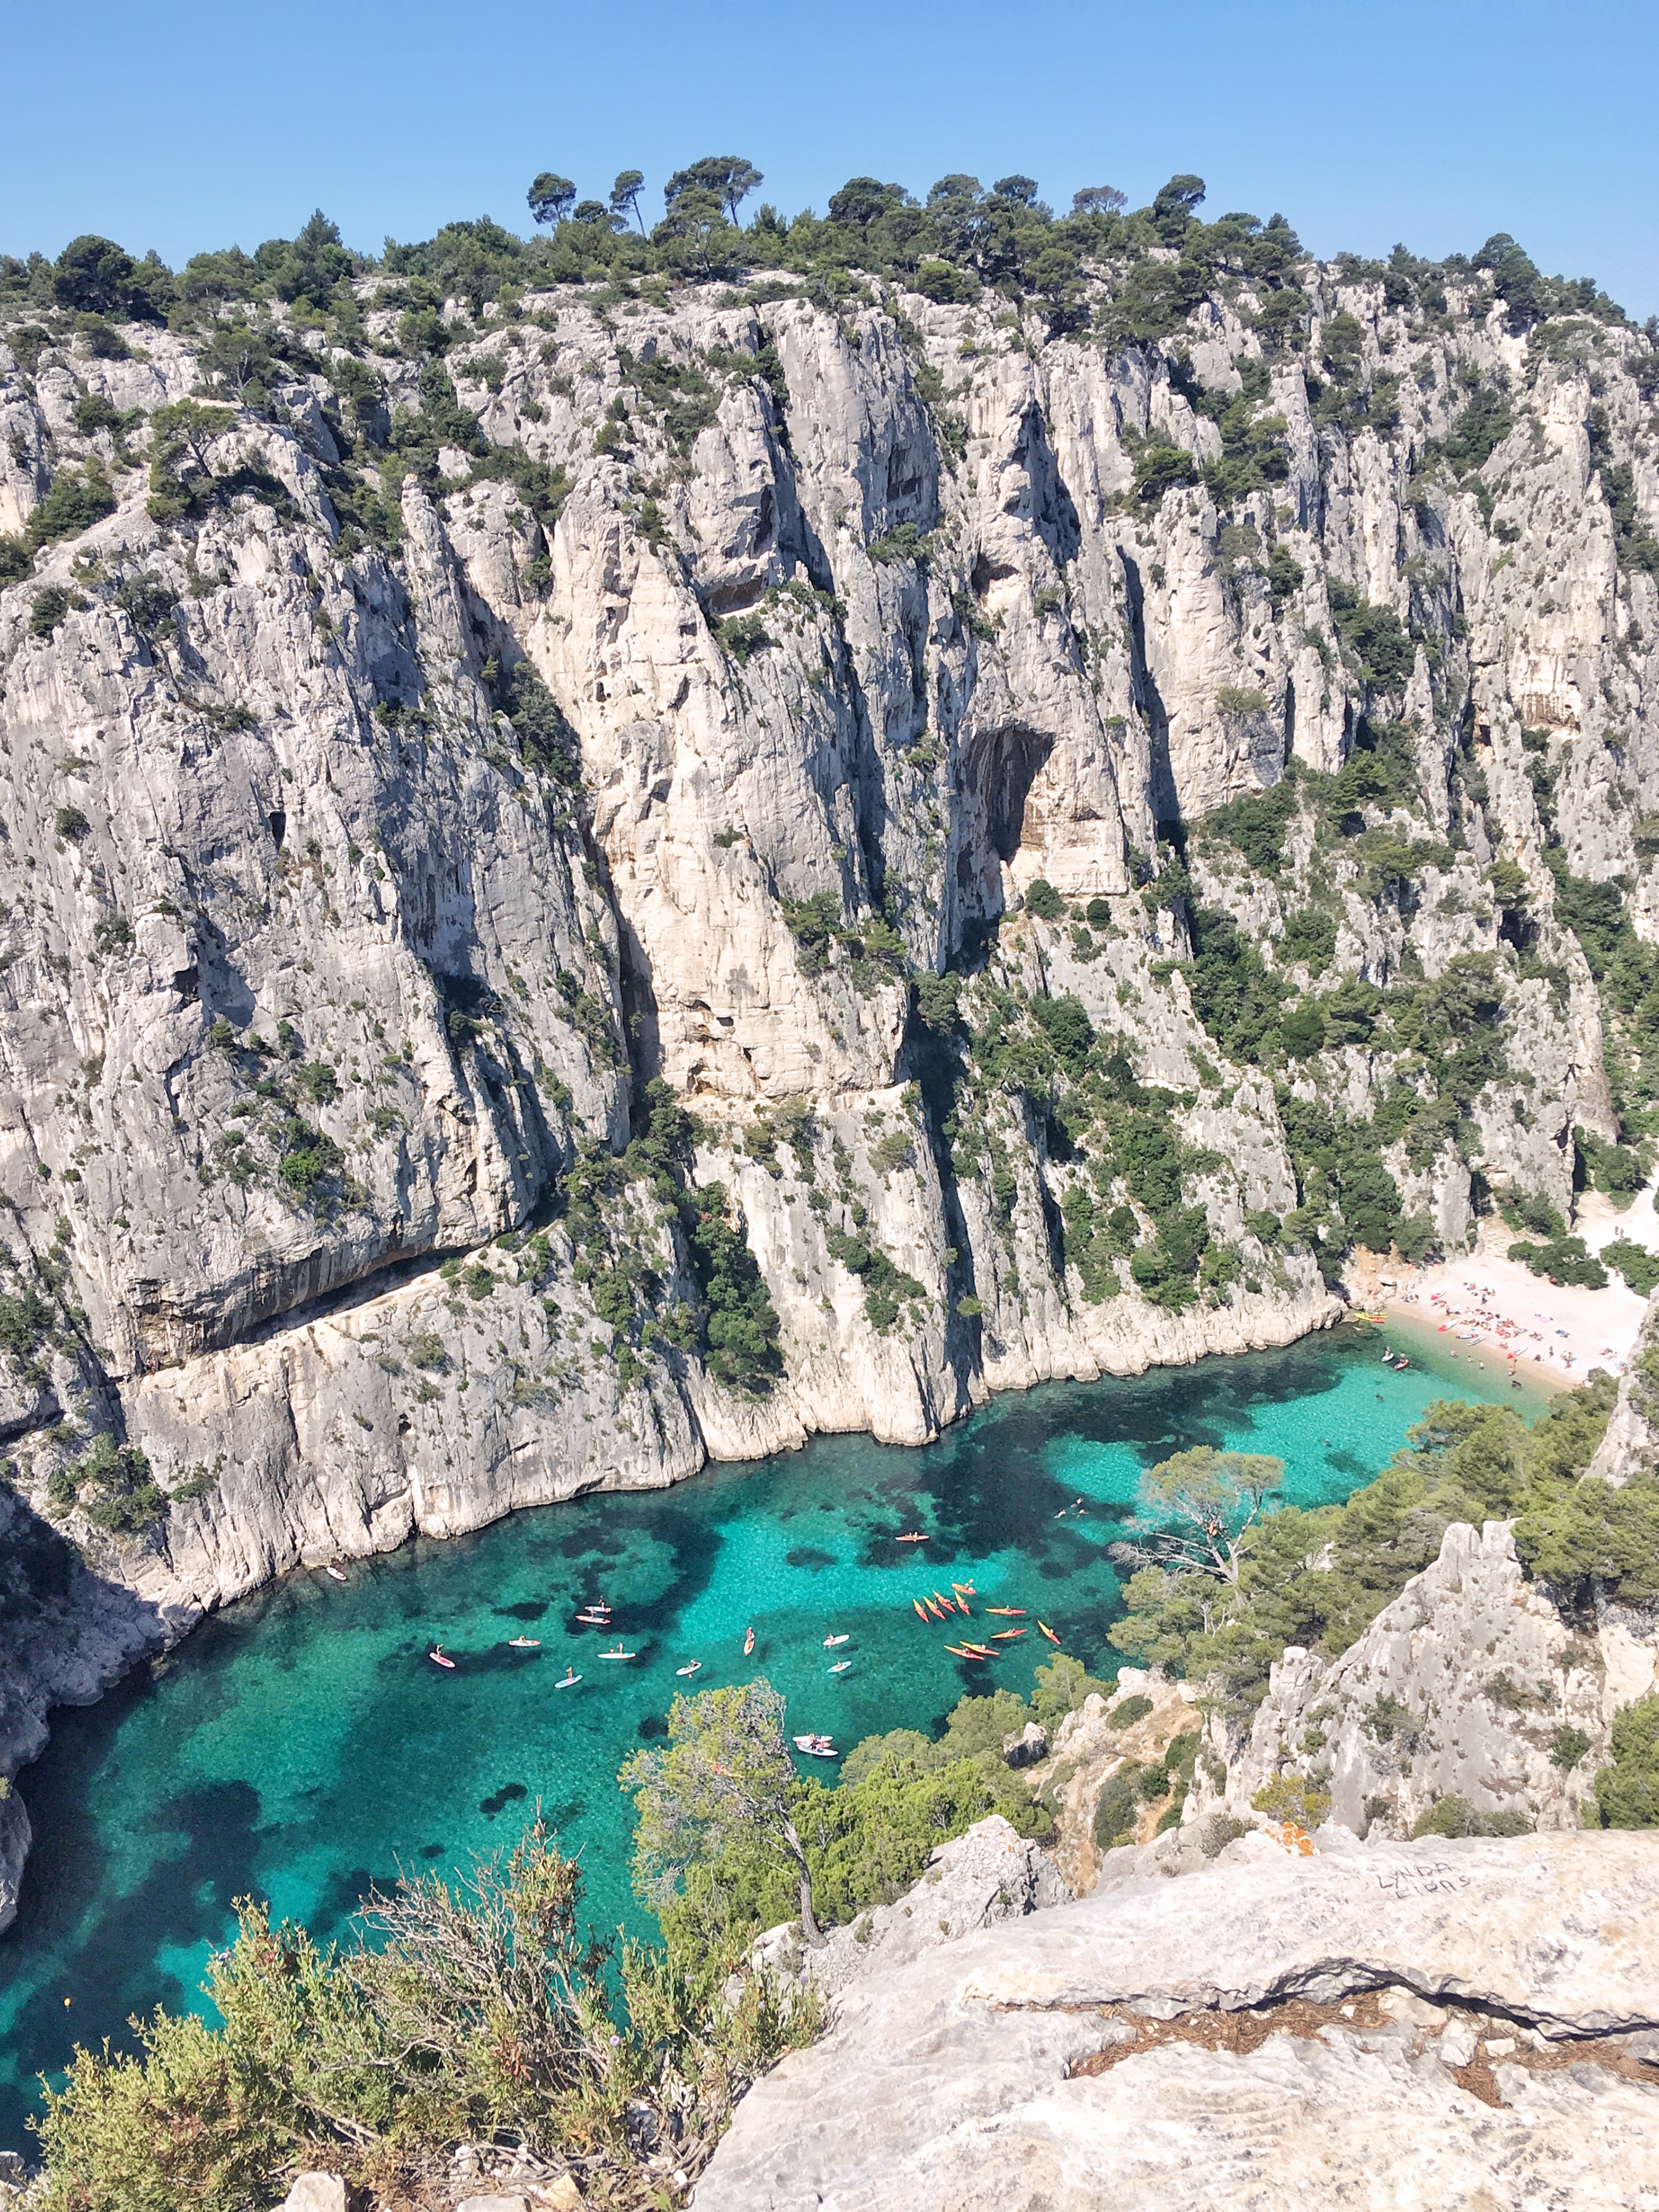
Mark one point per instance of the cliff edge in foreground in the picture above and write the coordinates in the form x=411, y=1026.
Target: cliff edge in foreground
x=1465, y=2018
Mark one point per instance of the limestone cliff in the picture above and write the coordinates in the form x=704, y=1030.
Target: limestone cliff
x=421, y=749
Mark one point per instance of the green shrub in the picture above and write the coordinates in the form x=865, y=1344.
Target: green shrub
x=1638, y=1267
x=76, y=500
x=70, y=823
x=1627, y=1791
x=1128, y=1711
x=1159, y=468
x=1118, y=1808
x=47, y=609
x=1454, y=1816
x=1567, y=1746
x=948, y=286
x=1562, y=1259
x=1042, y=900
x=1293, y=1798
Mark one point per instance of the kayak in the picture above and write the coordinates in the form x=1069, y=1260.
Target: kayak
x=915, y=1536
x=1008, y=1611
x=1006, y=1635
x=921, y=1610
x=748, y=1643
x=934, y=1610
x=1047, y=1631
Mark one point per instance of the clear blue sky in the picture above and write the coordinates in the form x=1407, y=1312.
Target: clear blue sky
x=183, y=125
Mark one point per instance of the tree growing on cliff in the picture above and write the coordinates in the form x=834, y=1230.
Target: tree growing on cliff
x=625, y=197
x=726, y=176
x=724, y=1782
x=1205, y=1501
x=550, y=197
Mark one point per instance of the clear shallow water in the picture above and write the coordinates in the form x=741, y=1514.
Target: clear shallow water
x=300, y=1744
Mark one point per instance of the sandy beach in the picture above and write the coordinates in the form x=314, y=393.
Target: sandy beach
x=1491, y=1310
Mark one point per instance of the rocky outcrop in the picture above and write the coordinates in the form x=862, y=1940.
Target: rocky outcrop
x=1469, y=1684
x=988, y=1875
x=1457, y=2016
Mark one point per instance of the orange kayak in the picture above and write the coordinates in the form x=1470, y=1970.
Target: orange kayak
x=1006, y=1635
x=1008, y=1611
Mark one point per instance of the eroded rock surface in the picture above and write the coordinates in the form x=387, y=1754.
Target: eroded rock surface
x=968, y=2078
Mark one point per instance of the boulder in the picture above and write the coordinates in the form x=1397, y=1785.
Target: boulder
x=318, y=2192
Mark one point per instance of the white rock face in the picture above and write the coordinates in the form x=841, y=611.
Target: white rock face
x=1458, y=1688
x=336, y=955
x=952, y=2082
x=986, y=1875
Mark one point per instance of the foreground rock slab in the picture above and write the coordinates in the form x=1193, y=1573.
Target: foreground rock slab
x=988, y=2072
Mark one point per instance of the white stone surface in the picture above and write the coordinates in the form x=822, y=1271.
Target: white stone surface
x=947, y=2084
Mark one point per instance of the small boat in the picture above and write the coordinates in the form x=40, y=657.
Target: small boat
x=921, y=1610
x=1006, y=1635
x=915, y=1536
x=748, y=1644
x=568, y=1679
x=831, y=1643
x=618, y=1653
x=524, y=1643
x=440, y=1657
x=841, y=1666
x=333, y=1572
x=593, y=1620
x=1047, y=1631
x=695, y=1666
x=816, y=1747
x=1008, y=1611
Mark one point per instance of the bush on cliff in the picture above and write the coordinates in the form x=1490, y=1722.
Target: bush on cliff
x=1627, y=1791
x=481, y=2009
x=1320, y=1579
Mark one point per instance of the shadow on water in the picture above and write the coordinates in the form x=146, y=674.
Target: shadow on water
x=110, y=1970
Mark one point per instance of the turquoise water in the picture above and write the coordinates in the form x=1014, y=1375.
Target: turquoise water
x=300, y=1744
